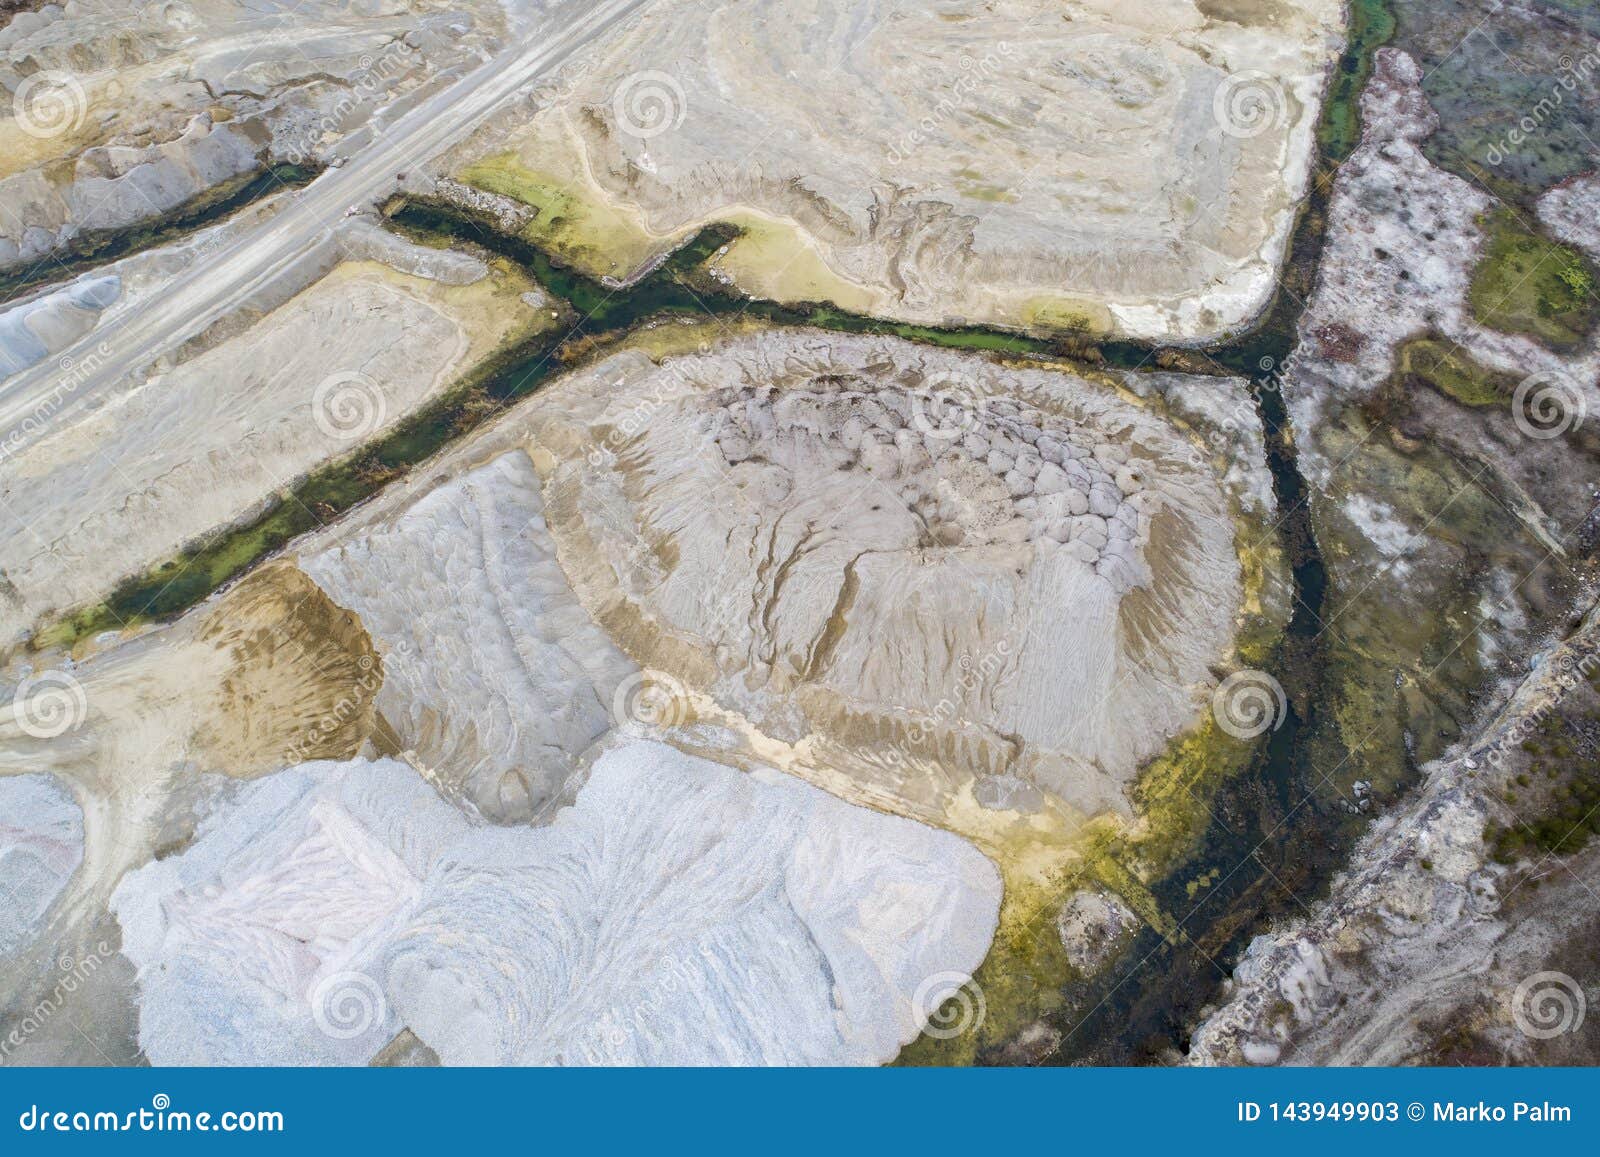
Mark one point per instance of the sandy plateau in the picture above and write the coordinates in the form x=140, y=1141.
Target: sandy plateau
x=198, y=441
x=945, y=575
x=1122, y=168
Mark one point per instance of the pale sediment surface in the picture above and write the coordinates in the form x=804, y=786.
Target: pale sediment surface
x=34, y=330
x=334, y=904
x=267, y=672
x=122, y=114
x=918, y=161
x=945, y=568
x=91, y=498
x=240, y=685
x=41, y=845
x=495, y=679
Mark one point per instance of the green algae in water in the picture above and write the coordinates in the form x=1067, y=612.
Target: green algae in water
x=1372, y=25
x=95, y=248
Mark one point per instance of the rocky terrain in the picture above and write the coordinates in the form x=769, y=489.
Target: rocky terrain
x=121, y=114
x=495, y=679
x=671, y=539
x=1430, y=949
x=463, y=650
x=916, y=161
x=865, y=544
x=1443, y=443
x=1463, y=930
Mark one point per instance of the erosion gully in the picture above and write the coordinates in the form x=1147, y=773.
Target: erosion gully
x=1273, y=845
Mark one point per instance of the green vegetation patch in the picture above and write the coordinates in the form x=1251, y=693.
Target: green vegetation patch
x=1528, y=284
x=1444, y=367
x=592, y=236
x=97, y=247
x=1556, y=801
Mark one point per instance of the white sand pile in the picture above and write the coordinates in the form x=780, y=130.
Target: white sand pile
x=681, y=912
x=495, y=679
x=41, y=845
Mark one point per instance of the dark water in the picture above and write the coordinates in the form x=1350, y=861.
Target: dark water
x=1273, y=846
x=96, y=248
x=1268, y=843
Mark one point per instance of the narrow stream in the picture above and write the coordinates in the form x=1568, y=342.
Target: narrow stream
x=94, y=249
x=1273, y=849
